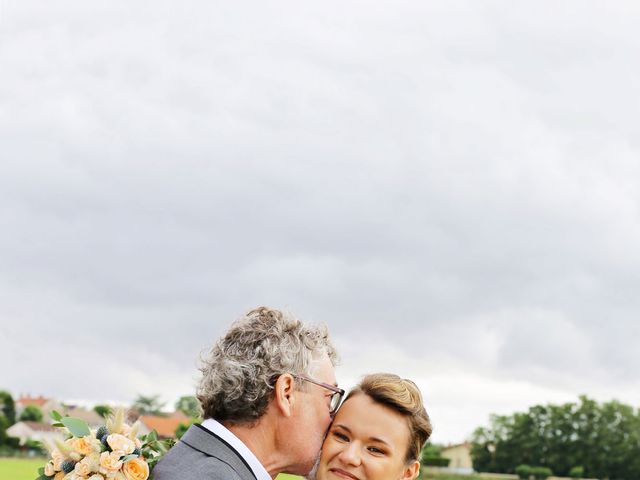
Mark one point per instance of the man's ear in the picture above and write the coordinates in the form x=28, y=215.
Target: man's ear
x=411, y=471
x=284, y=397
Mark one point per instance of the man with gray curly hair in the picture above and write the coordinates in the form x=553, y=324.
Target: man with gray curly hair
x=268, y=392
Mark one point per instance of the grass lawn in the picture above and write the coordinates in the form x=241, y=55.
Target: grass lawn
x=19, y=468
x=22, y=469
x=424, y=476
x=451, y=476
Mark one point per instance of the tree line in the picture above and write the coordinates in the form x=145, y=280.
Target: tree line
x=584, y=438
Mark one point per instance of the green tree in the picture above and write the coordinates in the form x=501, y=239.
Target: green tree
x=4, y=424
x=149, y=405
x=102, y=410
x=602, y=438
x=7, y=407
x=190, y=406
x=183, y=427
x=431, y=455
x=31, y=413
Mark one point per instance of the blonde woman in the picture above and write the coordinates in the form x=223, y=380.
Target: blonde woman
x=378, y=432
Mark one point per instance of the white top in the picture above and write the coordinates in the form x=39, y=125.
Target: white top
x=223, y=432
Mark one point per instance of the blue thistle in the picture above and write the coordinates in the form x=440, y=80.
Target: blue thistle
x=104, y=441
x=68, y=466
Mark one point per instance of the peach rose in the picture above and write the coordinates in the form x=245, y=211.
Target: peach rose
x=120, y=442
x=49, y=471
x=59, y=476
x=96, y=476
x=110, y=462
x=93, y=460
x=57, y=459
x=136, y=469
x=82, y=469
x=84, y=445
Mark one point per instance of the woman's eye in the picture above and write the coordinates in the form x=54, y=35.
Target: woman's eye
x=376, y=451
x=341, y=436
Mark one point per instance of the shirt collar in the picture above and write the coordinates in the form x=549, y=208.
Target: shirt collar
x=216, y=427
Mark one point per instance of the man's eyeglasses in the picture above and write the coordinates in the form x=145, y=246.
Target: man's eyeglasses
x=336, y=398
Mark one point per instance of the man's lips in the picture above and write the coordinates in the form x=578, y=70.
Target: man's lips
x=341, y=473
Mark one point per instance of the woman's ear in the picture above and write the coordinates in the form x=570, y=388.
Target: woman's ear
x=284, y=397
x=411, y=471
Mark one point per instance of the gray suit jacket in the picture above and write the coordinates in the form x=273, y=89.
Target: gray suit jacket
x=201, y=454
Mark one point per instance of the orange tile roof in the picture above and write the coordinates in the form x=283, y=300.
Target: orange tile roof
x=29, y=400
x=165, y=426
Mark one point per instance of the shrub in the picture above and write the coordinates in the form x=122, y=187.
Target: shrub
x=35, y=446
x=13, y=442
x=435, y=461
x=523, y=471
x=541, y=473
x=576, y=472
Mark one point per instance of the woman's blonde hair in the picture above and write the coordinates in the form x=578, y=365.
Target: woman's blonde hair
x=402, y=396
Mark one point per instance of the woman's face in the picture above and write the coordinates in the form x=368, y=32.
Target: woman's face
x=367, y=441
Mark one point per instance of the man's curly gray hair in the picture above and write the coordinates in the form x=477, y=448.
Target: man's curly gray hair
x=237, y=376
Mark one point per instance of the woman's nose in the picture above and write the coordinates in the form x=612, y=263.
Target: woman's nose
x=351, y=455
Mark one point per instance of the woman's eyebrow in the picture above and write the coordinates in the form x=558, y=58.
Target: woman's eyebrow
x=343, y=427
x=378, y=440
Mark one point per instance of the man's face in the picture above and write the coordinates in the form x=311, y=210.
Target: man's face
x=312, y=418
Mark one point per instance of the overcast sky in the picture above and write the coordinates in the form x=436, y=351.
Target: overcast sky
x=451, y=186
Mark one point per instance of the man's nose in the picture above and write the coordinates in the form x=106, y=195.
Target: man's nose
x=351, y=455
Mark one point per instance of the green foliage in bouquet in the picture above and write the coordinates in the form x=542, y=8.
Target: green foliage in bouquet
x=153, y=448
x=112, y=450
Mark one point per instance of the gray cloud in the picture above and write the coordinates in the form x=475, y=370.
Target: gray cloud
x=452, y=187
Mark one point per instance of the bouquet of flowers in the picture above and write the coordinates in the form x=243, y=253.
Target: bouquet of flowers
x=111, y=452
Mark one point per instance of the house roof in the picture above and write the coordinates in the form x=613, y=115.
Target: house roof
x=165, y=426
x=39, y=401
x=38, y=426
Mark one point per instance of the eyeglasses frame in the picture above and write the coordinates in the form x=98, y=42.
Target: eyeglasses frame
x=336, y=390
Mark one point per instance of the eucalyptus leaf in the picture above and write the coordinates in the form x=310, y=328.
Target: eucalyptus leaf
x=57, y=424
x=126, y=458
x=55, y=415
x=77, y=427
